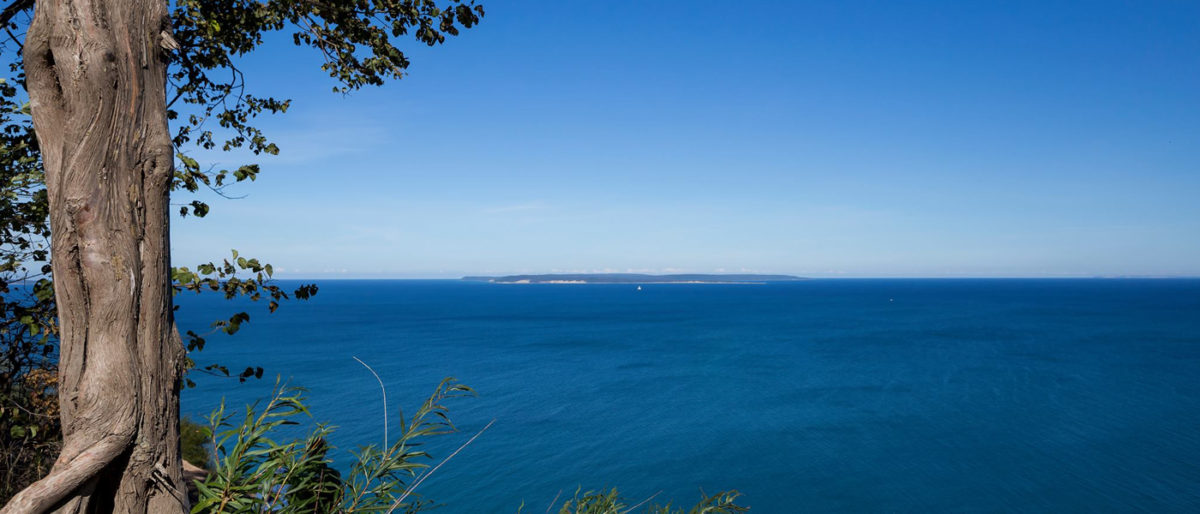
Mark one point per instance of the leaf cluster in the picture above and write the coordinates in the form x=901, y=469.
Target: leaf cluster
x=29, y=426
x=359, y=41
x=227, y=278
x=24, y=240
x=252, y=472
x=610, y=502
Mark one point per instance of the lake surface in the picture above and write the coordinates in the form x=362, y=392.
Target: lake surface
x=817, y=396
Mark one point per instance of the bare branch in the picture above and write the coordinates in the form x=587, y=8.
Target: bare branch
x=13, y=9
x=381, y=388
x=435, y=468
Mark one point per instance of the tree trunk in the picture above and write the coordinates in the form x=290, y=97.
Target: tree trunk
x=96, y=76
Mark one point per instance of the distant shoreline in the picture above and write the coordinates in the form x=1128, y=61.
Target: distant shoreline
x=581, y=282
x=634, y=278
x=351, y=277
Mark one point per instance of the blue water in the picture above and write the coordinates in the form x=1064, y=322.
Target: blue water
x=819, y=396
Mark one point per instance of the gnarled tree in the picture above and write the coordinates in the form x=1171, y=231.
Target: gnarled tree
x=97, y=75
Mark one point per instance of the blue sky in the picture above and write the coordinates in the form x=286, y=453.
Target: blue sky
x=831, y=139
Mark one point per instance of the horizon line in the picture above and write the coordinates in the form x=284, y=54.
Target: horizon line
x=365, y=276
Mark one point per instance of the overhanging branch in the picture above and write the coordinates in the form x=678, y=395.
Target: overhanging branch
x=13, y=9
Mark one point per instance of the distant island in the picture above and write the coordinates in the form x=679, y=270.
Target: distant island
x=634, y=278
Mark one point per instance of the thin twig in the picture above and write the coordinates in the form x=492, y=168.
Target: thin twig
x=13, y=37
x=13, y=9
x=435, y=468
x=554, y=501
x=643, y=502
x=384, y=389
x=27, y=411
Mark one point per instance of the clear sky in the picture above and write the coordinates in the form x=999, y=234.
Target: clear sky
x=876, y=139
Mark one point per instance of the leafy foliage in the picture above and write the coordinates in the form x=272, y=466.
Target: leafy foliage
x=193, y=442
x=610, y=502
x=31, y=433
x=254, y=473
x=29, y=428
x=358, y=40
x=27, y=325
x=225, y=279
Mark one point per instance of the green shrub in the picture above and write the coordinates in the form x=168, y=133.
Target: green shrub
x=251, y=472
x=611, y=502
x=193, y=440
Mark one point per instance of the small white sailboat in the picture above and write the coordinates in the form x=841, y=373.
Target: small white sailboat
x=639, y=288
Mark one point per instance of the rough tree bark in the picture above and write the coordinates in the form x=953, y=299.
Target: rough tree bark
x=96, y=76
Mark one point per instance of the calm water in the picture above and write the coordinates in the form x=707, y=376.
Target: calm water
x=820, y=396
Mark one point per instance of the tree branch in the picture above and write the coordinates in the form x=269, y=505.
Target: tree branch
x=13, y=10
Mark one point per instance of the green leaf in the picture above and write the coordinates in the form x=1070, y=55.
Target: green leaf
x=200, y=209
